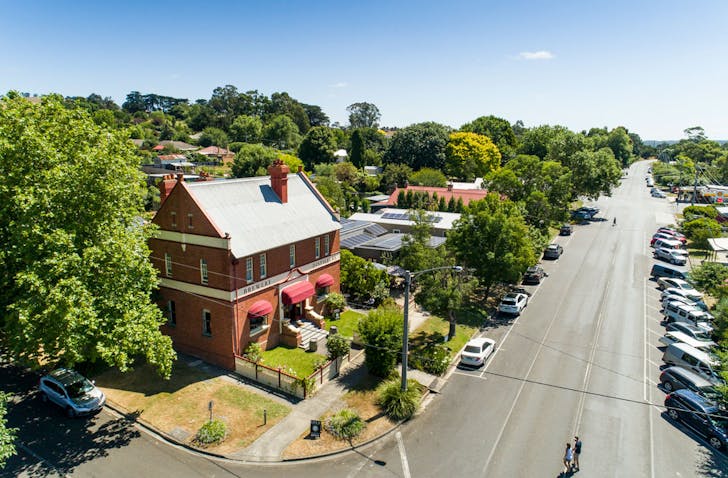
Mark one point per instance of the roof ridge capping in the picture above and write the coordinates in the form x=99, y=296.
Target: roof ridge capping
x=301, y=174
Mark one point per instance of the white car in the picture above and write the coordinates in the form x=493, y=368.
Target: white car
x=477, y=351
x=674, y=256
x=689, y=291
x=71, y=391
x=658, y=194
x=683, y=296
x=513, y=303
x=675, y=336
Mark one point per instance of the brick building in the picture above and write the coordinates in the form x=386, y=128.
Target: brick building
x=243, y=260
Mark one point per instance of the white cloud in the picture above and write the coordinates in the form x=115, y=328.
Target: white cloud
x=536, y=55
x=341, y=84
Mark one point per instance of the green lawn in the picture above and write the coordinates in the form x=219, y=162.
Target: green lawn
x=294, y=361
x=434, y=330
x=346, y=323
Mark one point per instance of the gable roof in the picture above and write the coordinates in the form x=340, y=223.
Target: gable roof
x=467, y=195
x=250, y=211
x=181, y=145
x=213, y=150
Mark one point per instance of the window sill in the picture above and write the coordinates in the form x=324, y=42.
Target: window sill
x=258, y=330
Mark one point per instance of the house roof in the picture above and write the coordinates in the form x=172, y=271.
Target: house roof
x=250, y=211
x=467, y=195
x=172, y=157
x=181, y=145
x=392, y=242
x=401, y=217
x=213, y=150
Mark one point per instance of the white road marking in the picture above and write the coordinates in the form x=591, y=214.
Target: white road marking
x=647, y=393
x=403, y=456
x=658, y=365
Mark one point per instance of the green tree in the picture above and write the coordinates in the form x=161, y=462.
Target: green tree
x=498, y=130
x=281, y=132
x=316, y=116
x=700, y=230
x=491, y=237
x=75, y=276
x=694, y=212
x=363, y=115
x=594, y=173
x=332, y=192
x=7, y=435
x=213, y=137
x=710, y=277
x=621, y=145
x=318, y=146
x=134, y=103
x=337, y=346
x=253, y=160
x=471, y=155
x=428, y=177
x=360, y=278
x=247, y=129
x=418, y=146
x=283, y=104
x=395, y=176
x=381, y=332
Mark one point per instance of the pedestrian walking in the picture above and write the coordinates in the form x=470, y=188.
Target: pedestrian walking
x=577, y=452
x=568, y=458
x=614, y=221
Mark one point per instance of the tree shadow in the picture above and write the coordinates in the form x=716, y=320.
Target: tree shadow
x=63, y=443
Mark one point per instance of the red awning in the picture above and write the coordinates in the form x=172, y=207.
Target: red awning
x=325, y=280
x=260, y=308
x=297, y=292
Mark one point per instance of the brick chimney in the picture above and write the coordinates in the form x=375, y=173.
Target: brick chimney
x=449, y=186
x=166, y=185
x=279, y=179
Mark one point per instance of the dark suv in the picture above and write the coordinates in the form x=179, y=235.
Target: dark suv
x=700, y=414
x=678, y=378
x=533, y=275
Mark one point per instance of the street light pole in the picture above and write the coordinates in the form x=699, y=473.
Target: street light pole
x=405, y=343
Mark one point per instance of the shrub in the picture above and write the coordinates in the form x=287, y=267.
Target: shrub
x=337, y=346
x=381, y=333
x=398, y=405
x=211, y=432
x=433, y=359
x=700, y=230
x=709, y=276
x=345, y=424
x=254, y=352
x=692, y=212
x=335, y=301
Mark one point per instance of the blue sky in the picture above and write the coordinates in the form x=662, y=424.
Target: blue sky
x=656, y=67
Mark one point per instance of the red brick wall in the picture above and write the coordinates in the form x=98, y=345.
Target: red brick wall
x=180, y=201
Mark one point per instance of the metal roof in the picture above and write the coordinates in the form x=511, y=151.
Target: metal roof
x=250, y=211
x=384, y=216
x=393, y=242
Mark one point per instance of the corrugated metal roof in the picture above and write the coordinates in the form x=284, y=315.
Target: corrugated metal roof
x=253, y=215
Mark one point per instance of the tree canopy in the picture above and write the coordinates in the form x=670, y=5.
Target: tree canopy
x=498, y=130
x=75, y=276
x=418, y=146
x=471, y=155
x=363, y=115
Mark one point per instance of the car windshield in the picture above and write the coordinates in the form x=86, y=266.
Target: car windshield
x=508, y=302
x=700, y=335
x=79, y=388
x=473, y=349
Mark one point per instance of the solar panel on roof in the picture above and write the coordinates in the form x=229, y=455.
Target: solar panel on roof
x=375, y=229
x=352, y=241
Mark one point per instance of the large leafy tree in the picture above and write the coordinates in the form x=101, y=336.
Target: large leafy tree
x=418, y=146
x=360, y=278
x=252, y=160
x=471, y=155
x=212, y=136
x=621, y=145
x=498, y=130
x=318, y=146
x=7, y=435
x=283, y=104
x=381, y=331
x=363, y=115
x=281, y=132
x=247, y=129
x=594, y=172
x=491, y=238
x=75, y=276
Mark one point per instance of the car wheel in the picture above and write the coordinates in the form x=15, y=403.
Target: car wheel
x=715, y=443
x=667, y=386
x=672, y=413
x=70, y=413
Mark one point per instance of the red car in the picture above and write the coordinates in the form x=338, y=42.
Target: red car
x=672, y=232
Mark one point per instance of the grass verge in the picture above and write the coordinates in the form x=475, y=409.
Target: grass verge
x=346, y=324
x=295, y=361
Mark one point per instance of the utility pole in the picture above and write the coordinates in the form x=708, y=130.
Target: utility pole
x=695, y=187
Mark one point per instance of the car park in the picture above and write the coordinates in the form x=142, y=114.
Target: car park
x=677, y=378
x=660, y=270
x=700, y=414
x=679, y=337
x=671, y=282
x=690, y=330
x=71, y=391
x=477, y=351
x=553, y=251
x=513, y=303
x=674, y=256
x=533, y=275
x=688, y=357
x=681, y=293
x=565, y=230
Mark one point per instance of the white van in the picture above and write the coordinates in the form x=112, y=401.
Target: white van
x=680, y=312
x=674, y=336
x=690, y=358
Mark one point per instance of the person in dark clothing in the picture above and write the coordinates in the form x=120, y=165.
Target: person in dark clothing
x=577, y=452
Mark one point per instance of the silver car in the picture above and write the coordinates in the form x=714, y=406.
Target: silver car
x=71, y=391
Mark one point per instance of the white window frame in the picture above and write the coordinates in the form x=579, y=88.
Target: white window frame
x=263, y=266
x=249, y=269
x=317, y=247
x=167, y=265
x=261, y=327
x=204, y=277
x=292, y=256
x=327, y=245
x=206, y=322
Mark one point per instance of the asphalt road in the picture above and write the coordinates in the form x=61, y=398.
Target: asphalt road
x=582, y=359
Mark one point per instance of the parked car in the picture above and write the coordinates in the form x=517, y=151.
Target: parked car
x=672, y=232
x=672, y=292
x=658, y=194
x=703, y=363
x=553, y=251
x=701, y=414
x=565, y=230
x=690, y=330
x=71, y=391
x=477, y=351
x=660, y=270
x=683, y=285
x=674, y=256
x=668, y=244
x=513, y=303
x=659, y=235
x=677, y=378
x=679, y=337
x=533, y=275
